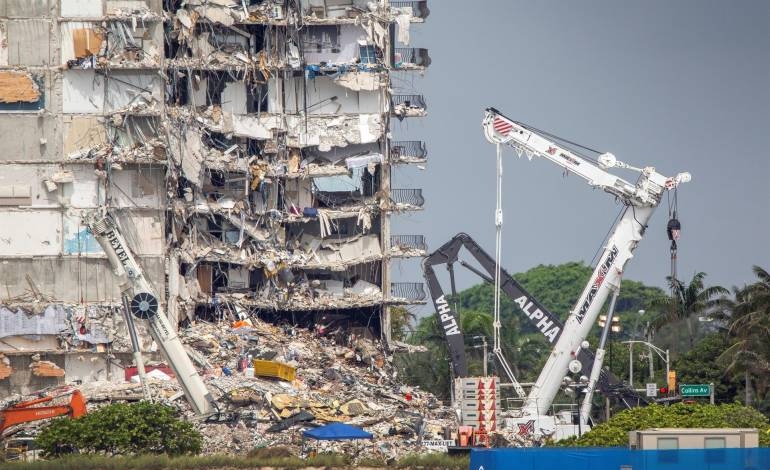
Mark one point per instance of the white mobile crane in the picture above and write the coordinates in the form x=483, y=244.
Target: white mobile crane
x=142, y=301
x=640, y=200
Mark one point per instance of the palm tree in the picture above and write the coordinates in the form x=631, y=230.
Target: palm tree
x=688, y=301
x=750, y=325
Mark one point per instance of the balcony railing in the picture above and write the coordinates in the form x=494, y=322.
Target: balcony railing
x=411, y=57
x=412, y=197
x=407, y=290
x=409, y=101
x=408, y=242
x=419, y=8
x=407, y=150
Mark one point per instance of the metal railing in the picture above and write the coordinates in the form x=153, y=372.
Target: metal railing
x=417, y=101
x=415, y=149
x=412, y=197
x=419, y=8
x=408, y=242
x=415, y=56
x=407, y=290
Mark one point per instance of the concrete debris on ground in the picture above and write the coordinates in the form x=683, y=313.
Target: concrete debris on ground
x=340, y=377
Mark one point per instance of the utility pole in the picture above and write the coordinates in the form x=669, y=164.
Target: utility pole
x=486, y=357
x=648, y=338
x=631, y=364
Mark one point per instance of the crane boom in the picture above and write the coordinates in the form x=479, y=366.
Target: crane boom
x=144, y=304
x=641, y=200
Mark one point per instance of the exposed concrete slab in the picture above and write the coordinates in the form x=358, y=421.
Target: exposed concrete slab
x=32, y=176
x=28, y=42
x=83, y=133
x=82, y=92
x=82, y=8
x=27, y=8
x=69, y=279
x=35, y=137
x=30, y=233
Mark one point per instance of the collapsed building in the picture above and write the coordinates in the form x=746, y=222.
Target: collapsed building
x=243, y=147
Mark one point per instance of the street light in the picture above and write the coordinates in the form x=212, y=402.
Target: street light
x=615, y=327
x=660, y=352
x=575, y=388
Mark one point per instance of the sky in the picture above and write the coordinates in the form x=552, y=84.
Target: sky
x=679, y=85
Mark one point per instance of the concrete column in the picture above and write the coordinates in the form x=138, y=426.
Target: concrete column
x=385, y=196
x=173, y=290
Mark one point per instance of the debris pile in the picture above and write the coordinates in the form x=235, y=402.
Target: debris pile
x=319, y=376
x=338, y=377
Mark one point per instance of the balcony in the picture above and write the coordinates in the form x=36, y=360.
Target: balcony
x=404, y=198
x=420, y=9
x=408, y=106
x=404, y=246
x=411, y=58
x=408, y=151
x=407, y=291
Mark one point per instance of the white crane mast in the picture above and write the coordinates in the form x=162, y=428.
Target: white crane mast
x=641, y=200
x=144, y=304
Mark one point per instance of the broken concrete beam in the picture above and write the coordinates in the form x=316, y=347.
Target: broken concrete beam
x=46, y=369
x=5, y=367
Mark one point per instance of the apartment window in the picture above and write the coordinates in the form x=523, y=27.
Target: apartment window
x=668, y=449
x=367, y=54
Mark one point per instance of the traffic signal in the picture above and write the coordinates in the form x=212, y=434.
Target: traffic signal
x=663, y=390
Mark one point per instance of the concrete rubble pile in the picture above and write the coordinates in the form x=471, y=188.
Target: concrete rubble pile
x=339, y=378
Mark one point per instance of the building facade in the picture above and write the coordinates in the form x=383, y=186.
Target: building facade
x=244, y=149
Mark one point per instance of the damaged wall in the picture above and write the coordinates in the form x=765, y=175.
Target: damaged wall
x=229, y=166
x=68, y=279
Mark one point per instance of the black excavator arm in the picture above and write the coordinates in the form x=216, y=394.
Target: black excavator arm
x=546, y=322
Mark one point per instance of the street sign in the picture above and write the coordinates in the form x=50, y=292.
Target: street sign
x=697, y=390
x=652, y=390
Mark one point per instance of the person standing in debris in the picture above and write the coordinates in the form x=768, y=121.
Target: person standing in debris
x=321, y=327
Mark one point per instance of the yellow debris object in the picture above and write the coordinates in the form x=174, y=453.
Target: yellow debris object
x=279, y=370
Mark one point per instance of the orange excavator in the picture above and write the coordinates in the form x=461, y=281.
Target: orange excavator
x=26, y=411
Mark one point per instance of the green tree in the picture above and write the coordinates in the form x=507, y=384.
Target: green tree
x=614, y=432
x=401, y=322
x=556, y=287
x=688, y=301
x=701, y=365
x=749, y=325
x=138, y=428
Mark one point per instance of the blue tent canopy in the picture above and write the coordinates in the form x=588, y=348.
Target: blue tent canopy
x=337, y=432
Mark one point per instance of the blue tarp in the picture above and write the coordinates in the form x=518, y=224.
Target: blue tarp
x=337, y=432
x=614, y=458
